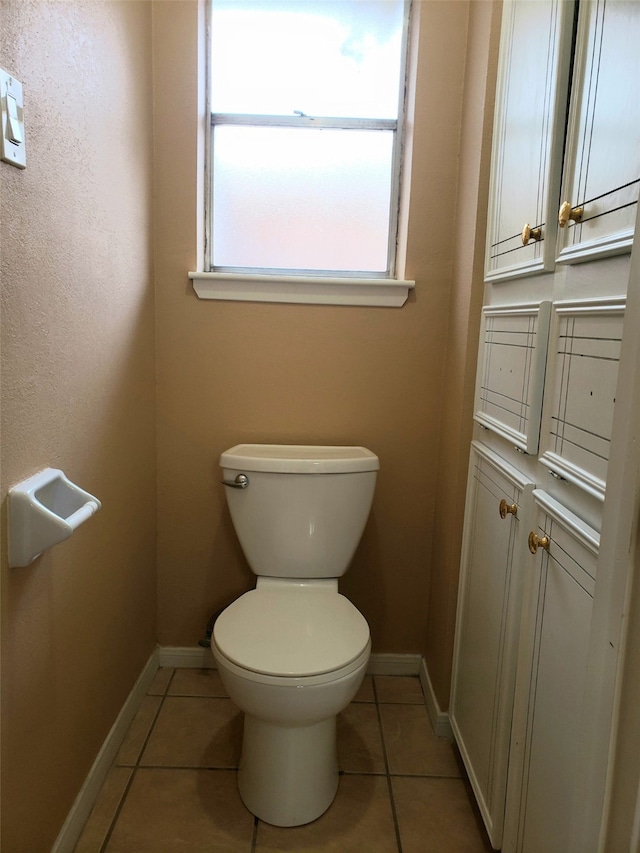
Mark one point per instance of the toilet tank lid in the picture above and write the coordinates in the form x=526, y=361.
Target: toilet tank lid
x=299, y=459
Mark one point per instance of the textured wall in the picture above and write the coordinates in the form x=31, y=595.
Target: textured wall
x=77, y=393
x=232, y=372
x=463, y=330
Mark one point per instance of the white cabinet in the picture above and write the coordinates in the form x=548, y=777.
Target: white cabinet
x=598, y=160
x=527, y=137
x=513, y=352
x=551, y=337
x=552, y=671
x=602, y=161
x=584, y=355
x=488, y=619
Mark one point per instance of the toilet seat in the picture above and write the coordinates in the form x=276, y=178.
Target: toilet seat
x=292, y=631
x=290, y=681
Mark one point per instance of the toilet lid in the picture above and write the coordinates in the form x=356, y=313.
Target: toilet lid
x=291, y=632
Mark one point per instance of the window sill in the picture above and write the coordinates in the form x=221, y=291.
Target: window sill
x=304, y=290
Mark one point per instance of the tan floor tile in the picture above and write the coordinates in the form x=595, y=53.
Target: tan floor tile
x=190, y=811
x=412, y=747
x=160, y=681
x=195, y=732
x=99, y=823
x=399, y=688
x=437, y=816
x=135, y=738
x=359, y=819
x=359, y=739
x=365, y=693
x=197, y=682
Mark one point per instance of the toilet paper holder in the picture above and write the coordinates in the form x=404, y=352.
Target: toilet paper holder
x=42, y=511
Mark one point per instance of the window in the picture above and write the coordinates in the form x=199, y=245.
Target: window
x=307, y=100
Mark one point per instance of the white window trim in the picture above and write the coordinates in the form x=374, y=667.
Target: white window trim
x=302, y=290
x=387, y=292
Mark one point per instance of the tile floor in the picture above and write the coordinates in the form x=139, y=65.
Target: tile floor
x=173, y=786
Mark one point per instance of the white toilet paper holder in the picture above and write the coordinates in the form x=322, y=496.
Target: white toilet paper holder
x=43, y=511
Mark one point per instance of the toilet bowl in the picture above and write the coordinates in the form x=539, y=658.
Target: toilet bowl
x=292, y=652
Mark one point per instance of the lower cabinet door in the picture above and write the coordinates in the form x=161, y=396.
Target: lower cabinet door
x=554, y=642
x=498, y=501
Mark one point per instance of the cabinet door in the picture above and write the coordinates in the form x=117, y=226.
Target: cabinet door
x=580, y=390
x=486, y=632
x=554, y=643
x=535, y=55
x=602, y=160
x=511, y=364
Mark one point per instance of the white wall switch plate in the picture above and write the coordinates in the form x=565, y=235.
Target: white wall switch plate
x=13, y=149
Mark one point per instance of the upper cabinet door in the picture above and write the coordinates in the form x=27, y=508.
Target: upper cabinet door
x=602, y=160
x=535, y=56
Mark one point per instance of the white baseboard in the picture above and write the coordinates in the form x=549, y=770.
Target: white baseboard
x=84, y=802
x=197, y=657
x=189, y=657
x=388, y=664
x=439, y=719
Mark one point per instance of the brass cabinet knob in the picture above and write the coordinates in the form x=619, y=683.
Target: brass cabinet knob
x=536, y=542
x=568, y=213
x=529, y=233
x=506, y=508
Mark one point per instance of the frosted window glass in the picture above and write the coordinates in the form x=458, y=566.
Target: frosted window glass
x=288, y=198
x=325, y=58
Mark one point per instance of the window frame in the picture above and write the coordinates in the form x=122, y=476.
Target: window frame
x=396, y=126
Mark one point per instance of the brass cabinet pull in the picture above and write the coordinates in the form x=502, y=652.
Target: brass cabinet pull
x=506, y=508
x=566, y=213
x=536, y=542
x=529, y=233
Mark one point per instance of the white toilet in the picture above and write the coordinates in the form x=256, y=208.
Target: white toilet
x=293, y=651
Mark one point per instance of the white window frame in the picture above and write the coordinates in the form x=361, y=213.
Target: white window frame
x=307, y=286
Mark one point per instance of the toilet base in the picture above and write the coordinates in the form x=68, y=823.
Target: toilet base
x=288, y=775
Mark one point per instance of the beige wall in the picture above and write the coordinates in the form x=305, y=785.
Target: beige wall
x=462, y=339
x=399, y=381
x=77, y=393
x=232, y=372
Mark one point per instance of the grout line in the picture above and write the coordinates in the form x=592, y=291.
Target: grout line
x=215, y=767
x=386, y=765
x=151, y=727
x=169, y=682
x=423, y=776
x=254, y=837
x=364, y=773
x=112, y=825
x=135, y=767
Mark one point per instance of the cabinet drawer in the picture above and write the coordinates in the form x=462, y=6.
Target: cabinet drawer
x=513, y=348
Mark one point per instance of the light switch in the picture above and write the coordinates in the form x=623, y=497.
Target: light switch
x=14, y=131
x=13, y=136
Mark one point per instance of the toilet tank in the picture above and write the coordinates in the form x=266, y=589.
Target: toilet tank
x=305, y=508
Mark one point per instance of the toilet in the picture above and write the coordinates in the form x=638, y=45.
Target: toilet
x=293, y=652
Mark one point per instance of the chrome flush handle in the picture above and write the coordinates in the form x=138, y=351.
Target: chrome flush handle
x=240, y=482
